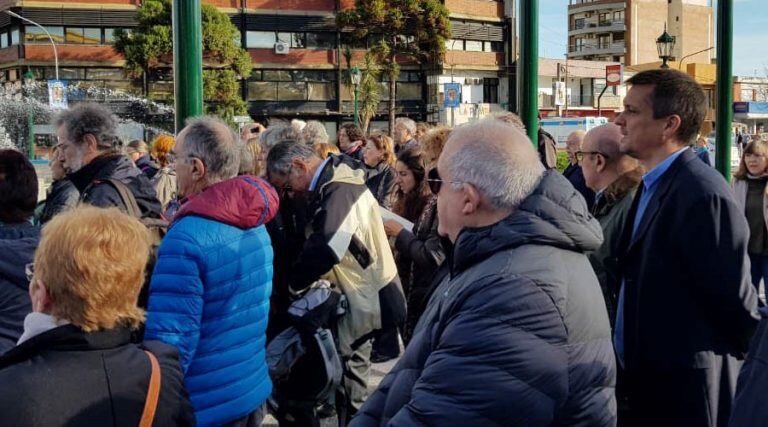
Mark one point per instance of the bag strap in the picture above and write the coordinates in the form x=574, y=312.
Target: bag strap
x=127, y=197
x=150, y=405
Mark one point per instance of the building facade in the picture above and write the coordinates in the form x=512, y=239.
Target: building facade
x=295, y=45
x=626, y=30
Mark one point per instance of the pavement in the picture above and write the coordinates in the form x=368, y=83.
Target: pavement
x=378, y=371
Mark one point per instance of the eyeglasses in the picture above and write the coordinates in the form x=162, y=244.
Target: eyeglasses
x=435, y=182
x=29, y=270
x=580, y=154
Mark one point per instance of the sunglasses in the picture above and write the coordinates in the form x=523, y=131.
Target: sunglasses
x=580, y=154
x=435, y=182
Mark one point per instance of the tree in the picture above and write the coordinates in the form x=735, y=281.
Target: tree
x=399, y=29
x=150, y=45
x=369, y=90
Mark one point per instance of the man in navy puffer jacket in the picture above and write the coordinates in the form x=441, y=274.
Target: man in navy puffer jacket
x=516, y=332
x=210, y=289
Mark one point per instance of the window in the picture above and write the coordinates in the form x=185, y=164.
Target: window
x=578, y=23
x=278, y=76
x=491, y=91
x=291, y=91
x=604, y=42
x=321, y=91
x=408, y=91
x=34, y=34
x=105, y=74
x=321, y=40
x=3, y=40
x=260, y=39
x=15, y=36
x=473, y=46
x=605, y=19
x=294, y=40
x=454, y=44
x=618, y=37
x=262, y=91
x=109, y=35
x=83, y=35
x=618, y=16
x=493, y=46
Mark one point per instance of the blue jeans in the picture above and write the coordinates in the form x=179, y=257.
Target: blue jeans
x=759, y=272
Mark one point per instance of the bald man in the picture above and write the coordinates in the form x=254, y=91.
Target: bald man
x=614, y=177
x=516, y=332
x=573, y=172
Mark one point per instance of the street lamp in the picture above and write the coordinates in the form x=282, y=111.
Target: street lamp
x=29, y=80
x=355, y=75
x=664, y=44
x=55, y=53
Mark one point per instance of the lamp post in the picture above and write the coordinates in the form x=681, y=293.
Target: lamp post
x=664, y=44
x=355, y=75
x=55, y=53
x=29, y=79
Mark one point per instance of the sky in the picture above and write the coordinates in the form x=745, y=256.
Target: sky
x=750, y=34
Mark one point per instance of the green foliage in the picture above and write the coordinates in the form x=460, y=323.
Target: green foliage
x=370, y=91
x=562, y=160
x=150, y=45
x=415, y=29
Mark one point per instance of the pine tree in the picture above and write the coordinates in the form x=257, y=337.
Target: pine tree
x=150, y=45
x=399, y=30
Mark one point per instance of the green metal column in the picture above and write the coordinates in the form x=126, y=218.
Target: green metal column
x=187, y=60
x=29, y=76
x=724, y=87
x=528, y=66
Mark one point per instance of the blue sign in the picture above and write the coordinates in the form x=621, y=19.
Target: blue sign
x=57, y=94
x=750, y=107
x=452, y=95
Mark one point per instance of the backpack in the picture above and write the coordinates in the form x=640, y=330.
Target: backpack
x=157, y=228
x=303, y=360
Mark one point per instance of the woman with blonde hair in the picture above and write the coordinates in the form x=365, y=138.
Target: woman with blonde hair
x=75, y=363
x=164, y=180
x=432, y=144
x=750, y=186
x=379, y=159
x=324, y=149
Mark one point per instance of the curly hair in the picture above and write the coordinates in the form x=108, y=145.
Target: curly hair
x=161, y=147
x=433, y=143
x=90, y=119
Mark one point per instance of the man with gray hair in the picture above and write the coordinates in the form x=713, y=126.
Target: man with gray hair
x=210, y=289
x=314, y=133
x=89, y=148
x=405, y=134
x=347, y=247
x=516, y=332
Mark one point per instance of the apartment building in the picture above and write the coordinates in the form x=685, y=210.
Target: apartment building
x=626, y=30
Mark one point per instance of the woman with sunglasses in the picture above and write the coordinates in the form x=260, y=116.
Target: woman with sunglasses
x=419, y=252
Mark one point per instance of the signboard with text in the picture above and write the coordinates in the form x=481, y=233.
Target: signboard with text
x=452, y=95
x=57, y=94
x=614, y=75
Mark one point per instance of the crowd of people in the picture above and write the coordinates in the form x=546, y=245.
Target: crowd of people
x=212, y=277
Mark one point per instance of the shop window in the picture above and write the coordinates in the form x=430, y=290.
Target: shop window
x=260, y=39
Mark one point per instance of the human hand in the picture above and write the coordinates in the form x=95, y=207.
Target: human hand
x=392, y=228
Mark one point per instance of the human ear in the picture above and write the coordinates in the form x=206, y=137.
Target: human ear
x=470, y=199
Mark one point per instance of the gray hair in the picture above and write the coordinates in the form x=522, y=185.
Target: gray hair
x=498, y=160
x=246, y=160
x=407, y=123
x=276, y=134
x=138, y=146
x=92, y=119
x=280, y=157
x=298, y=125
x=216, y=145
x=314, y=133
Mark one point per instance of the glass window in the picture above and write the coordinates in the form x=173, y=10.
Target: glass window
x=578, y=23
x=277, y=76
x=313, y=76
x=284, y=37
x=15, y=36
x=262, y=91
x=116, y=87
x=408, y=91
x=105, y=74
x=298, y=41
x=92, y=35
x=74, y=35
x=260, y=39
x=34, y=34
x=618, y=16
x=109, y=35
x=321, y=91
x=161, y=90
x=291, y=91
x=3, y=40
x=256, y=75
x=321, y=40
x=454, y=44
x=473, y=46
x=67, y=73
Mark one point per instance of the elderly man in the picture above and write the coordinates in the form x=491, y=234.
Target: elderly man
x=347, y=246
x=686, y=308
x=613, y=176
x=573, y=172
x=516, y=333
x=405, y=134
x=89, y=147
x=209, y=295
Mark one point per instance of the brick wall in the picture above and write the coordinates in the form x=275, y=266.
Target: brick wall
x=317, y=5
x=488, y=59
x=483, y=8
x=230, y=4
x=297, y=57
x=71, y=53
x=9, y=54
x=4, y=4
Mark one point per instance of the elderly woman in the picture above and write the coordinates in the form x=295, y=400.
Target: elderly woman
x=75, y=364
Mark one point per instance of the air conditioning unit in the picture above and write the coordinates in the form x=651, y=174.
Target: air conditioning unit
x=473, y=81
x=282, y=48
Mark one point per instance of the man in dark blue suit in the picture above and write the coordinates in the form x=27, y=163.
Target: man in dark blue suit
x=686, y=311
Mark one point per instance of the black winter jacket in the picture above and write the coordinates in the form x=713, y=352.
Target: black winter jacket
x=62, y=196
x=104, y=195
x=17, y=249
x=381, y=181
x=67, y=377
x=517, y=334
